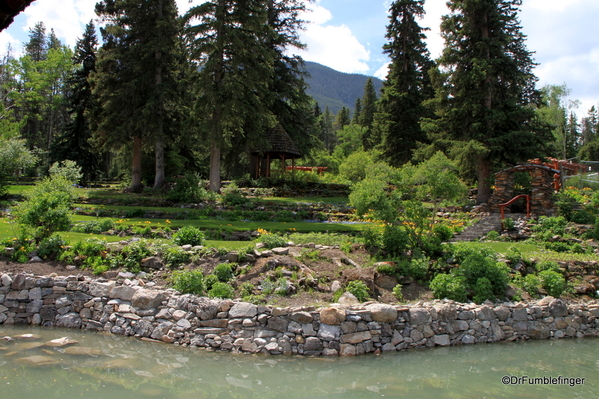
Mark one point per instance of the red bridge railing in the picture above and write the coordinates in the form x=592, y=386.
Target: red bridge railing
x=510, y=202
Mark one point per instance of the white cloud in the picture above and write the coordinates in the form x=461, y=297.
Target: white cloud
x=382, y=72
x=334, y=46
x=6, y=41
x=68, y=20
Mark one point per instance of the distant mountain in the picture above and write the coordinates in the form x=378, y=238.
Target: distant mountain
x=336, y=89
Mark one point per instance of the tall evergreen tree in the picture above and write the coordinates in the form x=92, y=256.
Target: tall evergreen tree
x=589, y=126
x=136, y=78
x=342, y=119
x=74, y=143
x=573, y=137
x=226, y=41
x=400, y=107
x=357, y=112
x=367, y=114
x=36, y=47
x=483, y=101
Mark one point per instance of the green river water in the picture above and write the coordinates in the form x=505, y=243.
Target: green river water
x=112, y=367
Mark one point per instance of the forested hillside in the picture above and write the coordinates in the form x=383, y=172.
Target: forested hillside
x=334, y=89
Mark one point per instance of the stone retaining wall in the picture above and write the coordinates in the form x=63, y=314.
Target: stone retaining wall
x=128, y=308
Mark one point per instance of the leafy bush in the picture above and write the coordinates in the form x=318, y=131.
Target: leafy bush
x=175, y=256
x=508, y=224
x=443, y=232
x=210, y=280
x=359, y=289
x=514, y=255
x=131, y=255
x=187, y=189
x=553, y=282
x=482, y=262
x=224, y=272
x=548, y=265
x=492, y=235
x=531, y=284
x=93, y=226
x=271, y=240
x=51, y=247
x=67, y=169
x=397, y=292
x=246, y=289
x=188, y=282
x=188, y=235
x=449, y=286
x=233, y=196
x=394, y=239
x=48, y=207
x=550, y=226
x=221, y=290
x=483, y=290
x=417, y=267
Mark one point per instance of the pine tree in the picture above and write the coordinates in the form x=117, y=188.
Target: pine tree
x=136, y=79
x=484, y=95
x=74, y=143
x=226, y=41
x=367, y=113
x=341, y=119
x=357, y=112
x=400, y=107
x=36, y=47
x=289, y=104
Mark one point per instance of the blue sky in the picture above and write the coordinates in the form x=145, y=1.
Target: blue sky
x=348, y=35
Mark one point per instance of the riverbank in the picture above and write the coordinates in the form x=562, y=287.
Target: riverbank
x=131, y=308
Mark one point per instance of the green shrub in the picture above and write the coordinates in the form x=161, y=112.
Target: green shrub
x=51, y=247
x=397, y=292
x=224, y=271
x=443, y=232
x=482, y=262
x=449, y=286
x=394, y=239
x=492, y=235
x=514, y=255
x=531, y=284
x=483, y=290
x=188, y=235
x=359, y=289
x=372, y=237
x=93, y=226
x=388, y=268
x=221, y=290
x=210, y=280
x=553, y=282
x=547, y=265
x=508, y=224
x=48, y=207
x=187, y=189
x=550, y=226
x=188, y=282
x=175, y=256
x=131, y=255
x=67, y=169
x=271, y=240
x=246, y=289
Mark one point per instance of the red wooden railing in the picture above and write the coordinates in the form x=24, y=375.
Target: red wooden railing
x=516, y=198
x=320, y=169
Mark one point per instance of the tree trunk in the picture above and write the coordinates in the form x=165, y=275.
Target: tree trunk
x=484, y=180
x=136, y=185
x=159, y=178
x=215, y=166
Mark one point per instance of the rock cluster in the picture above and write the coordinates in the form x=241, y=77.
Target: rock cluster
x=128, y=308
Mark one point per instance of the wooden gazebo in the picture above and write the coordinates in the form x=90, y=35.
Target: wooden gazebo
x=279, y=146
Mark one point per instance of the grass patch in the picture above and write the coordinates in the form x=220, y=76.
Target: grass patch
x=532, y=251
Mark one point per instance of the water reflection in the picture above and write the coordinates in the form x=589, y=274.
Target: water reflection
x=50, y=364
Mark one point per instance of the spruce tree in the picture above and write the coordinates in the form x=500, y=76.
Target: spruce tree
x=485, y=90
x=74, y=142
x=226, y=41
x=36, y=47
x=341, y=119
x=136, y=79
x=400, y=107
x=368, y=104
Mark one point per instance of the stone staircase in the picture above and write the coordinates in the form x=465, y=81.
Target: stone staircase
x=479, y=229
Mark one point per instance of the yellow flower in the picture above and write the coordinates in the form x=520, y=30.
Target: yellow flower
x=168, y=221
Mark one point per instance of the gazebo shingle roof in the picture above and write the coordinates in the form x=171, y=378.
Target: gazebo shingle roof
x=279, y=142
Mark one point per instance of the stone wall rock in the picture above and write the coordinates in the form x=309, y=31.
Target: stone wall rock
x=122, y=307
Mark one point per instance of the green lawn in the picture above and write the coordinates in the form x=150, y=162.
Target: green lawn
x=531, y=250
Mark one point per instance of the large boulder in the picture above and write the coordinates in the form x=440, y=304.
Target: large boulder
x=146, y=299
x=382, y=313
